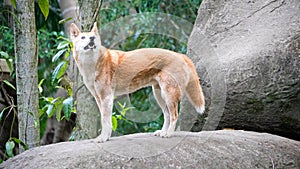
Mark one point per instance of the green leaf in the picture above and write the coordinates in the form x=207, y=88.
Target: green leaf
x=58, y=54
x=44, y=6
x=4, y=55
x=59, y=70
x=2, y=111
x=67, y=54
x=10, y=66
x=64, y=38
x=114, y=123
x=48, y=99
x=14, y=3
x=55, y=100
x=58, y=113
x=1, y=114
x=9, y=147
x=67, y=107
x=41, y=112
x=20, y=142
x=40, y=86
x=120, y=117
x=50, y=110
x=63, y=45
x=59, y=107
x=123, y=109
x=64, y=20
x=9, y=84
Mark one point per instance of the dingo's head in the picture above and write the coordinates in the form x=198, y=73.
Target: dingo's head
x=85, y=41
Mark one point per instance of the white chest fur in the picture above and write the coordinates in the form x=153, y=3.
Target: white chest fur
x=86, y=63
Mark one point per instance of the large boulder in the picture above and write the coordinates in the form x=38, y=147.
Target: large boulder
x=247, y=54
x=207, y=149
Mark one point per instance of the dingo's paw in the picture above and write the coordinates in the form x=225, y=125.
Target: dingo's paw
x=162, y=133
x=100, y=139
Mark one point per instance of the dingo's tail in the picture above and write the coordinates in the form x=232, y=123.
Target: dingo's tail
x=194, y=90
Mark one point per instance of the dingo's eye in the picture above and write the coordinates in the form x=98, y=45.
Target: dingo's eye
x=82, y=37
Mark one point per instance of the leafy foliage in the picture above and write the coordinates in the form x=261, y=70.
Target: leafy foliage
x=5, y=112
x=10, y=145
x=49, y=42
x=45, y=7
x=48, y=22
x=50, y=105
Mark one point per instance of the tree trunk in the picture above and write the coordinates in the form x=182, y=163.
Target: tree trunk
x=83, y=13
x=88, y=13
x=69, y=9
x=26, y=73
x=88, y=113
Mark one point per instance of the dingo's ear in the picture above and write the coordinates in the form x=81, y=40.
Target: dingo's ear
x=95, y=28
x=74, y=31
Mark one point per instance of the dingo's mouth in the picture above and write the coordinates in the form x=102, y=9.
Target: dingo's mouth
x=91, y=45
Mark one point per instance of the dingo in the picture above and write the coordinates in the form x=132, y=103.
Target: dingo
x=108, y=73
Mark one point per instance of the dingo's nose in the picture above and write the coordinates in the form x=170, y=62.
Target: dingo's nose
x=92, y=38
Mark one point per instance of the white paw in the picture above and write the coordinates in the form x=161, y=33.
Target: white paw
x=162, y=133
x=157, y=132
x=101, y=139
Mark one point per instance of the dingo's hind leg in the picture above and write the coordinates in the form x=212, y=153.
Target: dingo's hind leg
x=157, y=93
x=171, y=94
x=173, y=109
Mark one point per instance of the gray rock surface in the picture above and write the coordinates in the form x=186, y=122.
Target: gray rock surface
x=247, y=54
x=207, y=149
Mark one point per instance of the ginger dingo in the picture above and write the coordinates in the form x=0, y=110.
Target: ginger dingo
x=108, y=73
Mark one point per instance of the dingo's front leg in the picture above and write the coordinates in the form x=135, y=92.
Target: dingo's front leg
x=105, y=104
